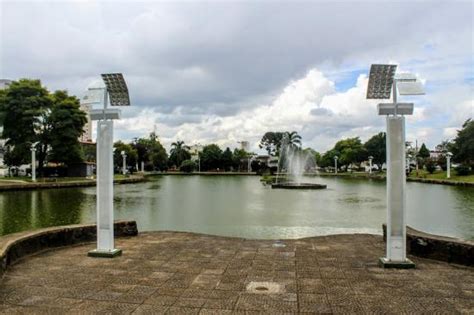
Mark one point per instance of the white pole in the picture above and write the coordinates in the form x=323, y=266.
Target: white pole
x=124, y=162
x=199, y=165
x=335, y=164
x=33, y=164
x=370, y=166
x=143, y=167
x=448, y=166
x=105, y=189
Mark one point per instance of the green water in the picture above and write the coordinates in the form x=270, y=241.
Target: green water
x=242, y=206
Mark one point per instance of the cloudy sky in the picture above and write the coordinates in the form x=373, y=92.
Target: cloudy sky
x=227, y=71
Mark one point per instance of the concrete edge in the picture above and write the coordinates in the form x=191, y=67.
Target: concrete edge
x=16, y=246
x=448, y=249
x=50, y=185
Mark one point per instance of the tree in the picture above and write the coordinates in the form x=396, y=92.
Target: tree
x=239, y=158
x=423, y=152
x=131, y=153
x=376, y=147
x=24, y=106
x=187, y=166
x=351, y=151
x=151, y=152
x=211, y=157
x=294, y=139
x=271, y=141
x=227, y=161
x=65, y=125
x=179, y=152
x=463, y=144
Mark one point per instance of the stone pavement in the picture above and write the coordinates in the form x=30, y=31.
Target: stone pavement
x=185, y=273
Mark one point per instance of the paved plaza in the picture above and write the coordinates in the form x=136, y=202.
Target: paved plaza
x=185, y=273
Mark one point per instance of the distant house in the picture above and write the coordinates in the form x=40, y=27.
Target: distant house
x=435, y=154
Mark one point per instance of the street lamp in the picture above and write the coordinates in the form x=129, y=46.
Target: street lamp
x=448, y=164
x=335, y=164
x=124, y=162
x=33, y=161
x=382, y=82
x=116, y=90
x=370, y=164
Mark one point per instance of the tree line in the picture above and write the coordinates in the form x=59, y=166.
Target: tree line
x=52, y=122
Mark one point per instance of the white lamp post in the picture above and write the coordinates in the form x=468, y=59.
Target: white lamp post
x=335, y=164
x=448, y=164
x=33, y=161
x=143, y=167
x=116, y=89
x=383, y=82
x=124, y=162
x=370, y=164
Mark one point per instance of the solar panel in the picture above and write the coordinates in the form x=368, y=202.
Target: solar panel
x=117, y=88
x=380, y=81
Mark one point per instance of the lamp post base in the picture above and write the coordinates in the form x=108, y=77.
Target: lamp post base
x=407, y=264
x=105, y=253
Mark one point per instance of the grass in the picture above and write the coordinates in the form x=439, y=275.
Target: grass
x=441, y=175
x=21, y=180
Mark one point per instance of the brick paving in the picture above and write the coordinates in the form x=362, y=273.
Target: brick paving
x=185, y=273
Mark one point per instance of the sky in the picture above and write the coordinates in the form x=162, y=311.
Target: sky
x=229, y=71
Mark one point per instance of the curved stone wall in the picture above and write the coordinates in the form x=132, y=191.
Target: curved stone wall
x=15, y=246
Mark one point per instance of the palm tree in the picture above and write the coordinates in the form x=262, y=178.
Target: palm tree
x=179, y=152
x=294, y=139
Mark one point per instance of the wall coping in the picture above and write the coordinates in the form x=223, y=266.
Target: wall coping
x=443, y=248
x=15, y=246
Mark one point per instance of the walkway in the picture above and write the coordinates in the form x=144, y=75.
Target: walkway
x=184, y=273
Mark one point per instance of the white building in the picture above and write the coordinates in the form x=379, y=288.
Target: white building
x=194, y=151
x=245, y=145
x=87, y=135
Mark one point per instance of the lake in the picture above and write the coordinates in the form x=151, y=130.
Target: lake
x=242, y=206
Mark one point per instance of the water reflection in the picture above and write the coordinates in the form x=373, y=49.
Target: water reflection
x=241, y=206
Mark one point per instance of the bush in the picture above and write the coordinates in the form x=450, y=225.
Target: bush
x=187, y=166
x=430, y=166
x=463, y=170
x=442, y=162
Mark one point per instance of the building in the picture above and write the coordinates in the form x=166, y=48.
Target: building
x=245, y=145
x=87, y=135
x=4, y=83
x=194, y=150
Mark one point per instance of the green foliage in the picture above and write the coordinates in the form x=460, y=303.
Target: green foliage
x=187, y=166
x=423, y=152
x=29, y=114
x=351, y=151
x=463, y=170
x=271, y=142
x=463, y=144
x=227, y=160
x=239, y=159
x=129, y=150
x=179, y=152
x=24, y=107
x=211, y=157
x=430, y=165
x=151, y=152
x=376, y=147
x=65, y=123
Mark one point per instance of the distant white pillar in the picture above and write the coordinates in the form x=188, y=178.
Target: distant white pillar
x=143, y=167
x=448, y=166
x=33, y=163
x=335, y=164
x=370, y=165
x=124, y=163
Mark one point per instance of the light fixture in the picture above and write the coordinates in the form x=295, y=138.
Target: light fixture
x=382, y=82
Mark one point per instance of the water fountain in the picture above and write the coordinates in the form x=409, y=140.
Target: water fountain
x=293, y=161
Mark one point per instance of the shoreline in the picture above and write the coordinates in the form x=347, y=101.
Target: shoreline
x=67, y=184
